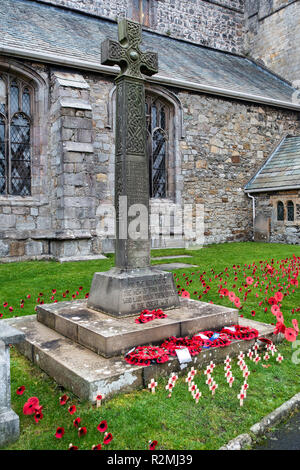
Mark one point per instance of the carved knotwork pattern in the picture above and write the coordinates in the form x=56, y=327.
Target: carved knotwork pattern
x=119, y=186
x=116, y=51
x=149, y=60
x=136, y=138
x=134, y=32
x=119, y=119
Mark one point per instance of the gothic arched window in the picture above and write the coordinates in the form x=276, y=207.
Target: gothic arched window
x=157, y=113
x=15, y=136
x=290, y=211
x=280, y=211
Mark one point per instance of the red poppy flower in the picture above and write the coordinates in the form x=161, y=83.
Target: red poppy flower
x=275, y=308
x=59, y=432
x=107, y=438
x=185, y=294
x=82, y=431
x=30, y=406
x=102, y=426
x=76, y=422
x=290, y=334
x=152, y=445
x=272, y=301
x=278, y=296
x=279, y=317
x=71, y=447
x=10, y=309
x=5, y=304
x=279, y=328
x=99, y=397
x=295, y=325
x=86, y=295
x=38, y=416
x=249, y=280
x=72, y=409
x=63, y=400
x=97, y=447
x=20, y=390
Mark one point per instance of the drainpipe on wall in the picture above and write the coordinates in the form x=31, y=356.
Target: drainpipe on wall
x=253, y=211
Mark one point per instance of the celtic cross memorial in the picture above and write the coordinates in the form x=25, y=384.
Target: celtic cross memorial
x=132, y=285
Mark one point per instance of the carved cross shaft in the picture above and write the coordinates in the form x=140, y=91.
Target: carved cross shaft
x=127, y=54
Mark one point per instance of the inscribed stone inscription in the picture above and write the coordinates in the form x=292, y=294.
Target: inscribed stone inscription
x=153, y=292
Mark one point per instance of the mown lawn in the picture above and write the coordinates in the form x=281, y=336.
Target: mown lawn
x=134, y=419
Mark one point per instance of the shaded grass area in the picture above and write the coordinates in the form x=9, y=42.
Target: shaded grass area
x=135, y=418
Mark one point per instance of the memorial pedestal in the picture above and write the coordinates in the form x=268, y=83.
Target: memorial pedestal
x=122, y=293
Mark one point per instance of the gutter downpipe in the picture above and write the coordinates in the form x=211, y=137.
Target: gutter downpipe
x=253, y=211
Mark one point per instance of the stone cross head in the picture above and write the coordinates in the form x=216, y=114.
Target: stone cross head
x=127, y=54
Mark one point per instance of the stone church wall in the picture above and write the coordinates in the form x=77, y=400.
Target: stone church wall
x=226, y=143
x=273, y=35
x=214, y=23
x=222, y=145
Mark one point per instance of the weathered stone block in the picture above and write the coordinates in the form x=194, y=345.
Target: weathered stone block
x=34, y=248
x=125, y=292
x=17, y=248
x=4, y=248
x=9, y=427
x=9, y=421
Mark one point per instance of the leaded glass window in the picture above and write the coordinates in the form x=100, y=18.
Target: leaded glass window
x=141, y=11
x=157, y=113
x=280, y=211
x=15, y=136
x=290, y=211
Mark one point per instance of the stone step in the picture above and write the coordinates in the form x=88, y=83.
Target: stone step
x=73, y=366
x=110, y=336
x=87, y=374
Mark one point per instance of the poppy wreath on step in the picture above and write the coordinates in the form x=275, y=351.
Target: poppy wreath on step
x=194, y=345
x=147, y=315
x=146, y=355
x=215, y=340
x=240, y=332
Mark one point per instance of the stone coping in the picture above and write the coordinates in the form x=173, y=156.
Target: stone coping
x=258, y=429
x=10, y=335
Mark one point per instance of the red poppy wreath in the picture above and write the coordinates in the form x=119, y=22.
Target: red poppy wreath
x=240, y=332
x=146, y=355
x=147, y=316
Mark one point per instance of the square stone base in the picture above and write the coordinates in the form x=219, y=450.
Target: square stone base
x=9, y=427
x=109, y=336
x=87, y=374
x=122, y=293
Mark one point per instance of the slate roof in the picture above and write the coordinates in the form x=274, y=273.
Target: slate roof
x=281, y=170
x=33, y=27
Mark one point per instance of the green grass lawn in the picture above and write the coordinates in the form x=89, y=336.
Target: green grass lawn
x=135, y=418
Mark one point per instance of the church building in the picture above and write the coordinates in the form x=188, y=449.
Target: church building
x=222, y=113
